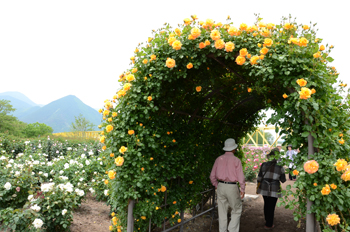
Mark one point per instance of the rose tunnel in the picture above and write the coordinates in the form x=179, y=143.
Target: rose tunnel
x=191, y=88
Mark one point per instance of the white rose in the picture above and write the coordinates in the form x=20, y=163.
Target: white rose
x=38, y=223
x=7, y=186
x=87, y=162
x=64, y=212
x=36, y=208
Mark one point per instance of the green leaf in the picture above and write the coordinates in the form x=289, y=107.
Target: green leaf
x=305, y=134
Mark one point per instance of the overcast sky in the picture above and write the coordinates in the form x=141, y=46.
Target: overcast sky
x=51, y=49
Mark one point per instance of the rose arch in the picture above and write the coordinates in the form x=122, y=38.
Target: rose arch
x=191, y=87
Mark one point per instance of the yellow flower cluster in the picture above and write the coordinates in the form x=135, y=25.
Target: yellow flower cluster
x=111, y=174
x=311, y=166
x=326, y=190
x=123, y=149
x=341, y=164
x=333, y=219
x=305, y=93
x=119, y=161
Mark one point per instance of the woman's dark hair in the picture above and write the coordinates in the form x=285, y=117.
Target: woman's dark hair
x=273, y=152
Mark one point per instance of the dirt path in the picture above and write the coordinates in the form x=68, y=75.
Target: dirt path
x=93, y=216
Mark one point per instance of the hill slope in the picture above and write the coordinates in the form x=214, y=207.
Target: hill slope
x=19, y=96
x=60, y=114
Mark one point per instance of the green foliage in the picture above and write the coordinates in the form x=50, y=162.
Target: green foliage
x=36, y=130
x=9, y=123
x=81, y=124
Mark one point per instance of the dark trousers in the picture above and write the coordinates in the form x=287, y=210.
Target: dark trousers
x=269, y=209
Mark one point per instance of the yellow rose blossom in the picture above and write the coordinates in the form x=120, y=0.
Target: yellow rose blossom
x=102, y=139
x=136, y=50
x=190, y=182
x=243, y=27
x=333, y=219
x=207, y=42
x=249, y=55
x=262, y=24
x=326, y=190
x=131, y=132
x=110, y=228
x=119, y=161
x=178, y=220
x=178, y=31
x=123, y=149
x=177, y=45
x=254, y=59
x=134, y=70
x=130, y=77
x=317, y=55
x=255, y=34
x=187, y=21
x=153, y=57
x=341, y=141
x=170, y=63
x=301, y=82
x=265, y=33
x=189, y=66
x=111, y=155
x=145, y=61
x=109, y=119
x=171, y=35
x=313, y=91
x=264, y=50
x=240, y=60
x=190, y=37
x=229, y=46
x=114, y=114
x=346, y=175
x=305, y=93
x=100, y=110
x=315, y=184
x=341, y=164
x=106, y=181
x=287, y=26
x=104, y=148
x=171, y=40
x=219, y=44
x=127, y=86
x=333, y=186
x=143, y=217
x=270, y=26
x=215, y=35
x=303, y=42
x=233, y=31
x=249, y=90
x=149, y=98
x=322, y=47
x=284, y=96
x=195, y=32
x=268, y=42
x=202, y=45
x=109, y=128
x=198, y=88
x=259, y=45
x=111, y=174
x=261, y=57
x=194, y=17
x=295, y=172
x=243, y=52
x=209, y=22
x=311, y=166
x=106, y=112
x=163, y=188
x=306, y=27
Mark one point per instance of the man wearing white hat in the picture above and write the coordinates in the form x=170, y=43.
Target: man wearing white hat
x=226, y=172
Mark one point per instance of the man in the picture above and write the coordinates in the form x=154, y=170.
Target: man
x=226, y=171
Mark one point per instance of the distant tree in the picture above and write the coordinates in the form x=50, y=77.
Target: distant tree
x=9, y=123
x=37, y=129
x=81, y=124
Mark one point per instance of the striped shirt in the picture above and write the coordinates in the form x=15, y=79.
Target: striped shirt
x=270, y=184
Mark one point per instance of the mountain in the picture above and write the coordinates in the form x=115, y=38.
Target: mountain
x=60, y=114
x=18, y=96
x=22, y=108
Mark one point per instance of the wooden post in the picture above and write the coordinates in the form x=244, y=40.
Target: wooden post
x=310, y=218
x=130, y=227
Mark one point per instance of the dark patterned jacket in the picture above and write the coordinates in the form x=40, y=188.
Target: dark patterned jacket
x=269, y=178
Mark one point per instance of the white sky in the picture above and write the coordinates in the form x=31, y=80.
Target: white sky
x=51, y=49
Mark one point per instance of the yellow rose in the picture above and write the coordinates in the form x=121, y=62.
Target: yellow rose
x=100, y=110
x=123, y=149
x=270, y=26
x=215, y=35
x=313, y=91
x=189, y=65
x=346, y=176
x=284, y=96
x=305, y=27
x=111, y=174
x=163, y=188
x=268, y=42
x=177, y=45
x=243, y=52
x=178, y=31
x=134, y=70
x=109, y=128
x=198, y=88
x=233, y=31
x=171, y=40
x=127, y=86
x=240, y=60
x=149, y=98
x=130, y=77
x=333, y=219
x=195, y=32
x=341, y=141
x=305, y=93
x=114, y=114
x=322, y=47
x=326, y=190
x=131, y=132
x=261, y=24
x=229, y=46
x=209, y=22
x=301, y=82
x=317, y=55
x=333, y=186
x=119, y=161
x=341, y=164
x=254, y=59
x=170, y=63
x=190, y=182
x=249, y=90
x=219, y=44
x=265, y=33
x=264, y=50
x=187, y=21
x=207, y=42
x=102, y=139
x=202, y=45
x=136, y=50
x=243, y=27
x=303, y=42
x=153, y=57
x=287, y=26
x=145, y=61
x=190, y=37
x=106, y=112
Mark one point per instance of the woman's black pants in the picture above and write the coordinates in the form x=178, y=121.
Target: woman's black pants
x=269, y=209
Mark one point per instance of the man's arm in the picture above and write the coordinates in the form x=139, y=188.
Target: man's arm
x=240, y=176
x=212, y=177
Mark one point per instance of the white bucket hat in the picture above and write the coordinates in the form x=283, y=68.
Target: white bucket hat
x=230, y=145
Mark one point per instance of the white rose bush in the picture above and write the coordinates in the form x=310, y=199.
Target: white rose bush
x=40, y=186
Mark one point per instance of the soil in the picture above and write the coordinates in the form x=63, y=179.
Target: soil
x=93, y=216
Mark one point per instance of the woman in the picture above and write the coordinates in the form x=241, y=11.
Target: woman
x=269, y=178
x=290, y=155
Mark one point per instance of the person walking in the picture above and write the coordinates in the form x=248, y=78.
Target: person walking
x=268, y=185
x=290, y=155
x=226, y=172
